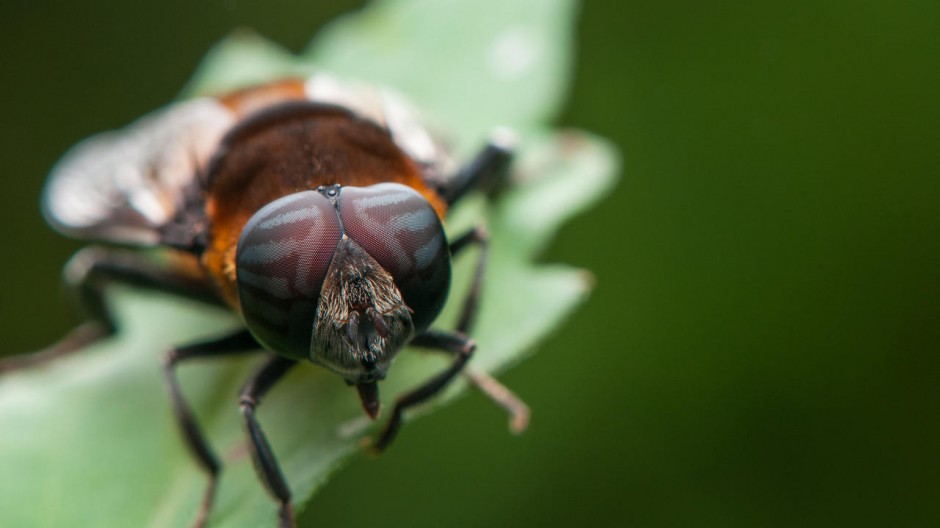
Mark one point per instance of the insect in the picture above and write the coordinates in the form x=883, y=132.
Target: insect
x=313, y=209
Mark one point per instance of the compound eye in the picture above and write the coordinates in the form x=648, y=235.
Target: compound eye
x=282, y=258
x=402, y=232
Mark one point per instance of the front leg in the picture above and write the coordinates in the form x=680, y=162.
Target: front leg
x=458, y=345
x=240, y=342
x=261, y=453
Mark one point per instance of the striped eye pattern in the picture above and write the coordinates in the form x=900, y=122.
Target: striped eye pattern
x=282, y=258
x=401, y=231
x=286, y=251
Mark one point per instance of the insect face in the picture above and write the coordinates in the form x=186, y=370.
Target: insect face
x=343, y=276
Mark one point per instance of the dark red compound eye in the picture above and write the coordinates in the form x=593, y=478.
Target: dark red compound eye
x=283, y=255
x=401, y=231
x=287, y=247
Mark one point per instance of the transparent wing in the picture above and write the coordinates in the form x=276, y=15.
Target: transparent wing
x=123, y=186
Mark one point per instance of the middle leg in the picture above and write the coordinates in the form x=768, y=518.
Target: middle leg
x=487, y=384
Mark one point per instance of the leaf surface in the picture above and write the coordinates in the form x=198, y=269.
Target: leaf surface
x=90, y=440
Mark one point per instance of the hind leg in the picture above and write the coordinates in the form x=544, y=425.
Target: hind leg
x=87, y=275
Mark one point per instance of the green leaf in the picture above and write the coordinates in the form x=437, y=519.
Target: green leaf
x=470, y=64
x=90, y=441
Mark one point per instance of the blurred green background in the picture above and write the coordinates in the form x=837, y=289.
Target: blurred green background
x=762, y=346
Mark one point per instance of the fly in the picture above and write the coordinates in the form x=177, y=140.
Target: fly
x=313, y=208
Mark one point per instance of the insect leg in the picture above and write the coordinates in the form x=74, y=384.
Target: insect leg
x=238, y=343
x=86, y=277
x=261, y=453
x=458, y=345
x=478, y=236
x=496, y=391
x=487, y=170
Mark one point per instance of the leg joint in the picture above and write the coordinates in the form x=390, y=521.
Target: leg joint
x=247, y=404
